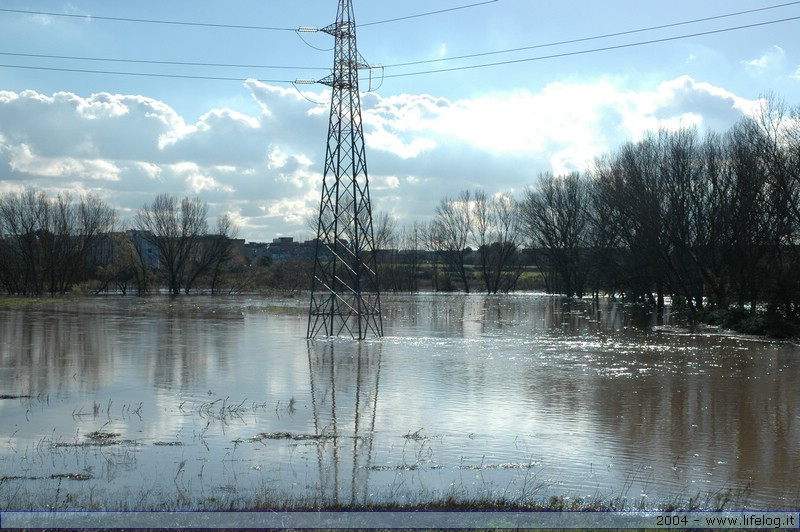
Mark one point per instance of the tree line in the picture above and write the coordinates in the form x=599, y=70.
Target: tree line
x=710, y=222
x=45, y=243
x=49, y=245
x=706, y=221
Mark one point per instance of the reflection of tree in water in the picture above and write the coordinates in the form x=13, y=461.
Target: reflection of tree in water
x=344, y=396
x=462, y=315
x=86, y=345
x=701, y=414
x=61, y=348
x=181, y=349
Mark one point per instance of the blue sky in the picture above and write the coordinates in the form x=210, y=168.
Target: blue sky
x=254, y=149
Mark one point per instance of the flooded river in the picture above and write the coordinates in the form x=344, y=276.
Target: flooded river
x=200, y=402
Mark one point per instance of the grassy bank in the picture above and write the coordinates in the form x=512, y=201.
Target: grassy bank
x=76, y=492
x=500, y=514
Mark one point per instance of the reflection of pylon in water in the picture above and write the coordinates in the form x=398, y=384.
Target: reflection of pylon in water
x=344, y=291
x=344, y=401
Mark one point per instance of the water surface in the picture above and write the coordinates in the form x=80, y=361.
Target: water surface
x=209, y=402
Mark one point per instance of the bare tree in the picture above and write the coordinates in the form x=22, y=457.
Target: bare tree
x=607, y=227
x=386, y=244
x=212, y=253
x=413, y=243
x=774, y=140
x=497, y=231
x=712, y=219
x=385, y=230
x=26, y=216
x=95, y=219
x=176, y=230
x=47, y=243
x=556, y=216
x=433, y=243
x=680, y=178
x=450, y=232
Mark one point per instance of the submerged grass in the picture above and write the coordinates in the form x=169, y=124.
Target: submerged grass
x=28, y=301
x=393, y=498
x=81, y=491
x=84, y=490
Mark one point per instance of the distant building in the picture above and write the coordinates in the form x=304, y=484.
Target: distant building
x=253, y=251
x=105, y=248
x=285, y=248
x=143, y=241
x=280, y=249
x=239, y=246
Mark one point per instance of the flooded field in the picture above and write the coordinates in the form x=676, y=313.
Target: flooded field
x=199, y=402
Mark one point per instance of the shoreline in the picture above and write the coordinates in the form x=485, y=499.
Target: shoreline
x=758, y=325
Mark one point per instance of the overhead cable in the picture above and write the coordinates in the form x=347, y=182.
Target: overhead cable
x=406, y=74
x=595, y=37
x=410, y=63
x=426, y=14
x=144, y=74
x=594, y=50
x=154, y=62
x=228, y=26
x=146, y=21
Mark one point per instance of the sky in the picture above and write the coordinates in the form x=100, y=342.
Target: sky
x=195, y=98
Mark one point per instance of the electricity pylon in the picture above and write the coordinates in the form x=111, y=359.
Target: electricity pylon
x=344, y=293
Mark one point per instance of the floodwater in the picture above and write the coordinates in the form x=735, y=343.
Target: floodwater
x=200, y=402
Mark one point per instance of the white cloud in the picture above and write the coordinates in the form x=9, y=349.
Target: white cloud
x=266, y=169
x=198, y=179
x=392, y=182
x=294, y=211
x=100, y=106
x=683, y=102
x=152, y=171
x=381, y=139
x=297, y=170
x=565, y=124
x=771, y=60
x=23, y=160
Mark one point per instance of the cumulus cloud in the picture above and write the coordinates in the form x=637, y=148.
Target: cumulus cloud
x=686, y=102
x=264, y=169
x=772, y=60
x=23, y=160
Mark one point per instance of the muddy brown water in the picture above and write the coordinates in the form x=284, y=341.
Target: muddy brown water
x=200, y=402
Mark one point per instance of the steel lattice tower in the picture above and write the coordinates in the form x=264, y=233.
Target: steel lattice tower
x=344, y=293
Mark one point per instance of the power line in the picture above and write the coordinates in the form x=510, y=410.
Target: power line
x=147, y=21
x=595, y=50
x=427, y=14
x=142, y=74
x=453, y=69
x=411, y=63
x=227, y=26
x=596, y=37
x=153, y=62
